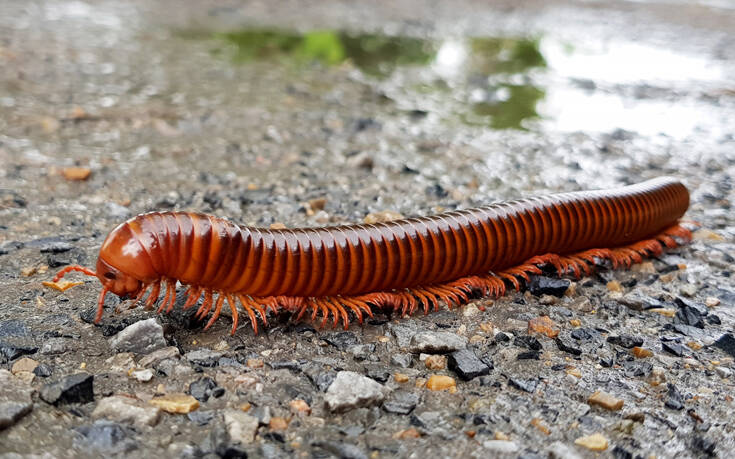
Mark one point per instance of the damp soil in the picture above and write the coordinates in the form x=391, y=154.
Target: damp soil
x=320, y=113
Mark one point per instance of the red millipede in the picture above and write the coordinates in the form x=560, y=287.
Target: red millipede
x=403, y=264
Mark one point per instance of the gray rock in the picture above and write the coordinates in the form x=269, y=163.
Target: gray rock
x=401, y=402
x=15, y=399
x=467, y=365
x=77, y=388
x=640, y=301
x=116, y=211
x=105, y=437
x=55, y=346
x=436, y=342
x=402, y=334
x=128, y=410
x=241, y=427
x=501, y=446
x=154, y=357
x=142, y=337
x=342, y=450
x=352, y=390
x=203, y=357
x=401, y=360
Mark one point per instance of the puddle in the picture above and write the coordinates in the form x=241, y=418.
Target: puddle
x=540, y=83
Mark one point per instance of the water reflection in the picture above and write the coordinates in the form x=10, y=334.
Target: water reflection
x=475, y=64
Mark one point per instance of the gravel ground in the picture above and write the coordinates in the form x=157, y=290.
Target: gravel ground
x=307, y=114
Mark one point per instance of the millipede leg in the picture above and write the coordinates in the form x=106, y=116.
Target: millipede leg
x=71, y=268
x=233, y=309
x=153, y=295
x=100, y=305
x=194, y=294
x=206, y=305
x=217, y=310
x=245, y=301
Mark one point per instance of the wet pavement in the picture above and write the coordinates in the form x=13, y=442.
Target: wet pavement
x=308, y=114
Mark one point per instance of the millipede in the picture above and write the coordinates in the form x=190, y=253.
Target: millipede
x=335, y=272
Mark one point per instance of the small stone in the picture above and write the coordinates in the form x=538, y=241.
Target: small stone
x=143, y=375
x=523, y=384
x=539, y=424
x=342, y=340
x=24, y=364
x=555, y=286
x=664, y=312
x=695, y=346
x=255, y=363
x=566, y=345
x=176, y=403
x=639, y=301
x=436, y=362
x=436, y=342
x=15, y=399
x=673, y=347
x=688, y=290
x=351, y=390
x=76, y=173
x=500, y=436
x=605, y=400
x=543, y=325
x=614, y=286
x=411, y=432
x=501, y=446
x=154, y=357
x=594, y=442
x=574, y=372
x=641, y=353
x=467, y=365
x=401, y=360
x=401, y=402
x=441, y=382
x=142, y=337
x=278, y=423
x=711, y=302
x=382, y=217
x=400, y=378
x=674, y=399
x=241, y=427
x=704, y=234
x=645, y=267
x=119, y=408
x=77, y=388
x=723, y=372
x=204, y=357
x=105, y=438
x=626, y=341
x=575, y=323
x=278, y=226
x=726, y=342
x=202, y=388
x=54, y=346
x=299, y=406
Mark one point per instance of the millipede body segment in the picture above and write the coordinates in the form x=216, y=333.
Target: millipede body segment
x=404, y=264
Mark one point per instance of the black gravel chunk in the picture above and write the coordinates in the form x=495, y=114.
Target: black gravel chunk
x=529, y=342
x=542, y=285
x=526, y=385
x=322, y=380
x=621, y=453
x=704, y=445
x=688, y=315
x=502, y=337
x=636, y=368
x=76, y=388
x=341, y=450
x=342, y=340
x=567, y=345
x=467, y=365
x=10, y=247
x=13, y=352
x=626, y=341
x=377, y=372
x=713, y=319
x=585, y=334
x=14, y=328
x=529, y=355
x=57, y=246
x=42, y=370
x=292, y=365
x=105, y=437
x=401, y=402
x=201, y=417
x=726, y=342
x=674, y=399
x=673, y=347
x=202, y=388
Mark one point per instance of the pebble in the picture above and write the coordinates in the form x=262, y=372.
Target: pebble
x=298, y=406
x=401, y=402
x=351, y=390
x=154, y=357
x=129, y=410
x=543, y=285
x=640, y=352
x=441, y=382
x=674, y=399
x=467, y=365
x=176, y=403
x=673, y=347
x=24, y=364
x=202, y=388
x=382, y=217
x=142, y=337
x=523, y=384
x=436, y=342
x=501, y=446
x=15, y=399
x=559, y=450
x=278, y=423
x=143, y=375
x=704, y=234
x=543, y=325
x=342, y=340
x=723, y=372
x=435, y=362
x=614, y=286
x=688, y=289
x=711, y=302
x=401, y=360
x=567, y=345
x=594, y=442
x=55, y=346
x=77, y=388
x=203, y=357
x=400, y=378
x=605, y=400
x=105, y=438
x=626, y=341
x=241, y=426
